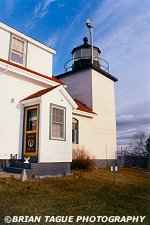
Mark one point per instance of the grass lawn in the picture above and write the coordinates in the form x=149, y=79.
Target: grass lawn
x=85, y=193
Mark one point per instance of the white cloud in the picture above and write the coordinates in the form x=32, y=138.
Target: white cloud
x=52, y=41
x=128, y=125
x=39, y=12
x=133, y=118
x=127, y=40
x=37, y=9
x=41, y=9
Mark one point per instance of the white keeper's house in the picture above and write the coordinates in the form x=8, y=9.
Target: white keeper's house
x=44, y=117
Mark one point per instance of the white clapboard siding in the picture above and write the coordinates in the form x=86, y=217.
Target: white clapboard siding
x=4, y=44
x=104, y=105
x=54, y=150
x=98, y=134
x=38, y=57
x=11, y=114
x=79, y=85
x=39, y=60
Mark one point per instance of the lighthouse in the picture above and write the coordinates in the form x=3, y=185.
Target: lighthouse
x=90, y=83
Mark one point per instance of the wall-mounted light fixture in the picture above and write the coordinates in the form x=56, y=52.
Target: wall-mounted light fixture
x=12, y=100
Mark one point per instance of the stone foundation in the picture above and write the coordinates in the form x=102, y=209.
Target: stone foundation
x=49, y=169
x=103, y=163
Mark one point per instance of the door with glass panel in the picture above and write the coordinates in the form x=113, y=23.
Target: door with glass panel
x=31, y=131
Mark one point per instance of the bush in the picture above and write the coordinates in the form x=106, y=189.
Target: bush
x=82, y=160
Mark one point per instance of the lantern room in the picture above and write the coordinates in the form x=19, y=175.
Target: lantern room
x=84, y=55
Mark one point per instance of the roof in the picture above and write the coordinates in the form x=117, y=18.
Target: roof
x=108, y=75
x=32, y=71
x=40, y=93
x=83, y=107
x=44, y=91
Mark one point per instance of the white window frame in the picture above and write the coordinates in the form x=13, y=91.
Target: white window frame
x=51, y=122
x=16, y=50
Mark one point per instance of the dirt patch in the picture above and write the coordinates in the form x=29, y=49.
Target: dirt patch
x=10, y=175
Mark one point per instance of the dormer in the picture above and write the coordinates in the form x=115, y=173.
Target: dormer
x=20, y=49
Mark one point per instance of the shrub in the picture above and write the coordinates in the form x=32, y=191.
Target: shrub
x=82, y=159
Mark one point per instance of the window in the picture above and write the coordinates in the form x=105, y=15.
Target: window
x=32, y=119
x=18, y=48
x=57, y=122
x=74, y=131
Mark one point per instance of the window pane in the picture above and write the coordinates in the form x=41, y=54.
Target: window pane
x=31, y=119
x=86, y=53
x=17, y=57
x=77, y=54
x=17, y=53
x=18, y=45
x=54, y=117
x=57, y=123
x=75, y=131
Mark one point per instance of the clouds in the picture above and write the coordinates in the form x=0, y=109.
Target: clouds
x=41, y=9
x=121, y=31
x=52, y=41
x=129, y=124
x=132, y=120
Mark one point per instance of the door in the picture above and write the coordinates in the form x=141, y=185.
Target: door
x=31, y=131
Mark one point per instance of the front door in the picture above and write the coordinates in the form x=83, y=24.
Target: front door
x=31, y=131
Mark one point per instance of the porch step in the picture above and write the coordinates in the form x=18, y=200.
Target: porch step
x=13, y=170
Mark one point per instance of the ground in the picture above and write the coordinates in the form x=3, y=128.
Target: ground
x=85, y=193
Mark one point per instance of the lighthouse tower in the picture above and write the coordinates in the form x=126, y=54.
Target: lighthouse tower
x=89, y=82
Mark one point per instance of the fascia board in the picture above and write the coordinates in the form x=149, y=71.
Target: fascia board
x=32, y=100
x=26, y=74
x=81, y=113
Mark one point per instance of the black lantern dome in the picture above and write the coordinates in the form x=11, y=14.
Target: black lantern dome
x=82, y=56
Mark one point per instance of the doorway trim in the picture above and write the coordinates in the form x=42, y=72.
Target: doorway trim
x=34, y=133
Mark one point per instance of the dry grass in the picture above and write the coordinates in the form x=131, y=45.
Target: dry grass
x=85, y=193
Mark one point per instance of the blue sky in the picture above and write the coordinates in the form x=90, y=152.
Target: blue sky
x=122, y=32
